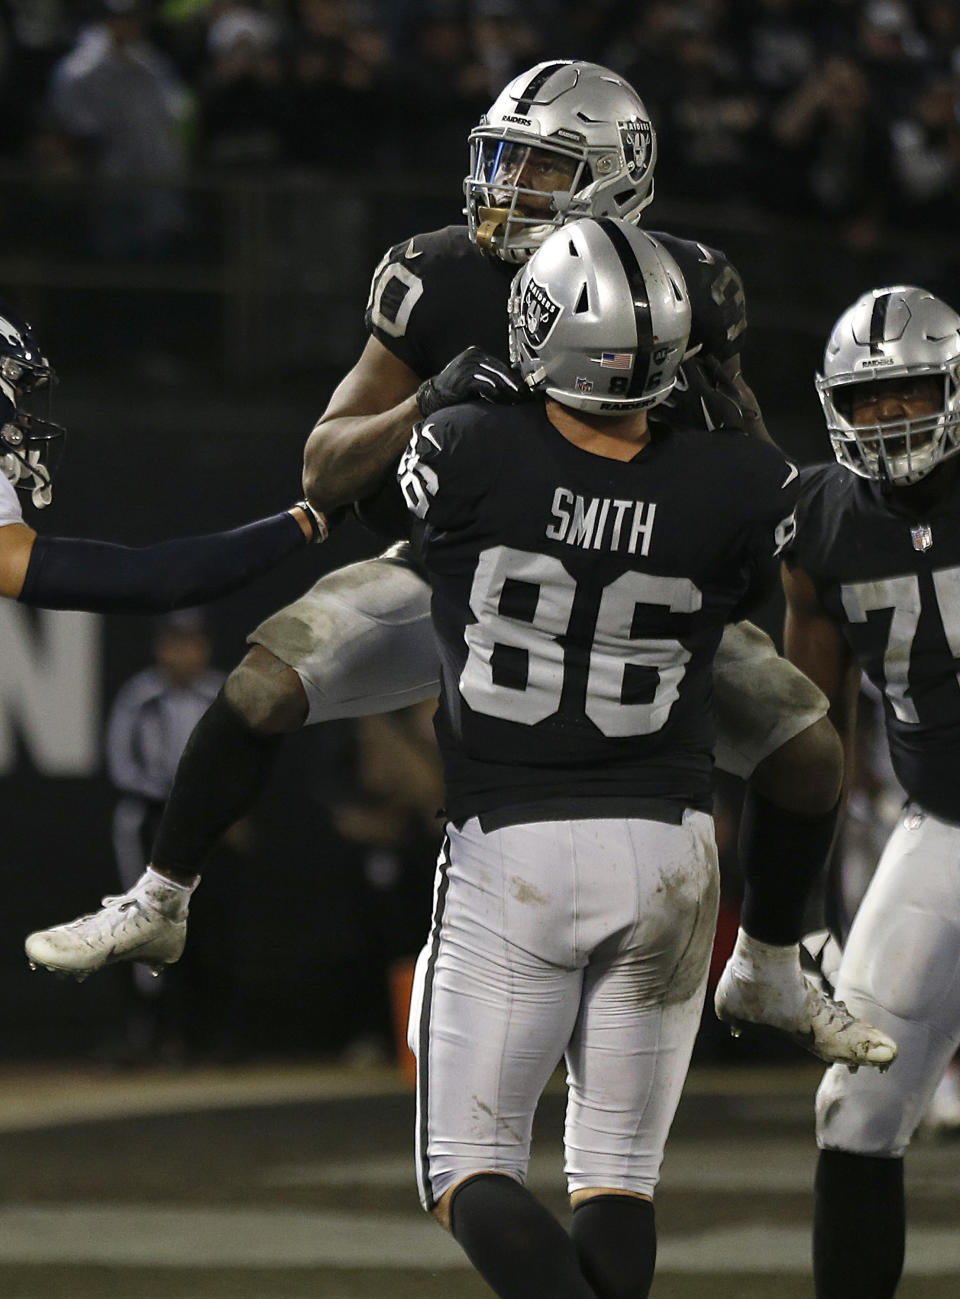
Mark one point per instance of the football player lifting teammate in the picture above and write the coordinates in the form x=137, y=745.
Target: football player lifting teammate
x=564, y=140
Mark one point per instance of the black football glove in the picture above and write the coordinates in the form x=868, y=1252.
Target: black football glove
x=472, y=374
x=710, y=388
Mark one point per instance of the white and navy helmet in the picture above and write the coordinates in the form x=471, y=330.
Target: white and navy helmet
x=599, y=318
x=595, y=124
x=899, y=332
x=26, y=440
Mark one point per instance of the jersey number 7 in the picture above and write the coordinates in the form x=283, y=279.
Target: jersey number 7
x=902, y=595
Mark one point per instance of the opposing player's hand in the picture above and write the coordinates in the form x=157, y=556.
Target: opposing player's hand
x=717, y=393
x=471, y=375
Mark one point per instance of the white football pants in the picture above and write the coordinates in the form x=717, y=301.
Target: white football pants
x=900, y=971
x=588, y=940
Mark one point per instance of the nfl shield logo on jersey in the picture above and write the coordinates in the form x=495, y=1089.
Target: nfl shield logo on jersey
x=922, y=536
x=539, y=313
x=636, y=141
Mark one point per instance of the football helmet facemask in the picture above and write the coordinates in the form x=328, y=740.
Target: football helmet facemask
x=26, y=439
x=599, y=318
x=565, y=139
x=900, y=333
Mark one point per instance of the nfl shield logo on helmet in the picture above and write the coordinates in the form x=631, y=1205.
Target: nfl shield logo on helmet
x=538, y=314
x=922, y=536
x=636, y=140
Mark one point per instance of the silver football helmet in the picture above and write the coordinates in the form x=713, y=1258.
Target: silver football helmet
x=564, y=140
x=599, y=318
x=889, y=334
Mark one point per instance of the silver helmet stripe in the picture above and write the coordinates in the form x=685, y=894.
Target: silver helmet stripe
x=641, y=302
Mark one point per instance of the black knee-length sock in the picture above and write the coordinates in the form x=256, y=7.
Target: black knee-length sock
x=517, y=1246
x=616, y=1239
x=859, y=1224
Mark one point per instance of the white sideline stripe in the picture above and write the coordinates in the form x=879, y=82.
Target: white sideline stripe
x=783, y=1166
x=49, y=1098
x=763, y=1247
x=690, y=1173
x=157, y=1235
x=153, y=1235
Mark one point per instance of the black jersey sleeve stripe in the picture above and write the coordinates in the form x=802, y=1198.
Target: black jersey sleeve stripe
x=535, y=85
x=878, y=320
x=641, y=301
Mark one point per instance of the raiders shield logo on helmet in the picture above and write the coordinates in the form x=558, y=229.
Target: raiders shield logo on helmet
x=636, y=140
x=538, y=314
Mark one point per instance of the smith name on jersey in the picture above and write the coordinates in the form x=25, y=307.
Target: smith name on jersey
x=578, y=602
x=892, y=582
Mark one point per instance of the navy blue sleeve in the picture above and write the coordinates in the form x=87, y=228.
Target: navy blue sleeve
x=73, y=573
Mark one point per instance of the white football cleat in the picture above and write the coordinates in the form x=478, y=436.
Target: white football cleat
x=148, y=923
x=816, y=1021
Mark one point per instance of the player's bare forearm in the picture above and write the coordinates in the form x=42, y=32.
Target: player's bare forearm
x=346, y=457
x=811, y=638
x=813, y=642
x=363, y=431
x=16, y=547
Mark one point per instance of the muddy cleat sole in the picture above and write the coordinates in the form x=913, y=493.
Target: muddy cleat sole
x=821, y=1025
x=147, y=924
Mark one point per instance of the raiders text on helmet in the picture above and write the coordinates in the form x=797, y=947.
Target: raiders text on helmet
x=25, y=439
x=599, y=318
x=564, y=140
x=895, y=333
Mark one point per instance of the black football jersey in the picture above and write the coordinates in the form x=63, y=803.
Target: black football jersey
x=892, y=583
x=435, y=294
x=578, y=602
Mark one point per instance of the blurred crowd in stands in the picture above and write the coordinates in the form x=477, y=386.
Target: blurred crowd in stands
x=847, y=110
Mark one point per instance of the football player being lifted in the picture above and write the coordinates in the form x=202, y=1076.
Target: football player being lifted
x=873, y=584
x=585, y=551
x=563, y=140
x=76, y=573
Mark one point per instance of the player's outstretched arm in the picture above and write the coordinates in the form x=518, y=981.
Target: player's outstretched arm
x=74, y=573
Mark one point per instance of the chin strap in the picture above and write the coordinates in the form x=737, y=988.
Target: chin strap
x=21, y=468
